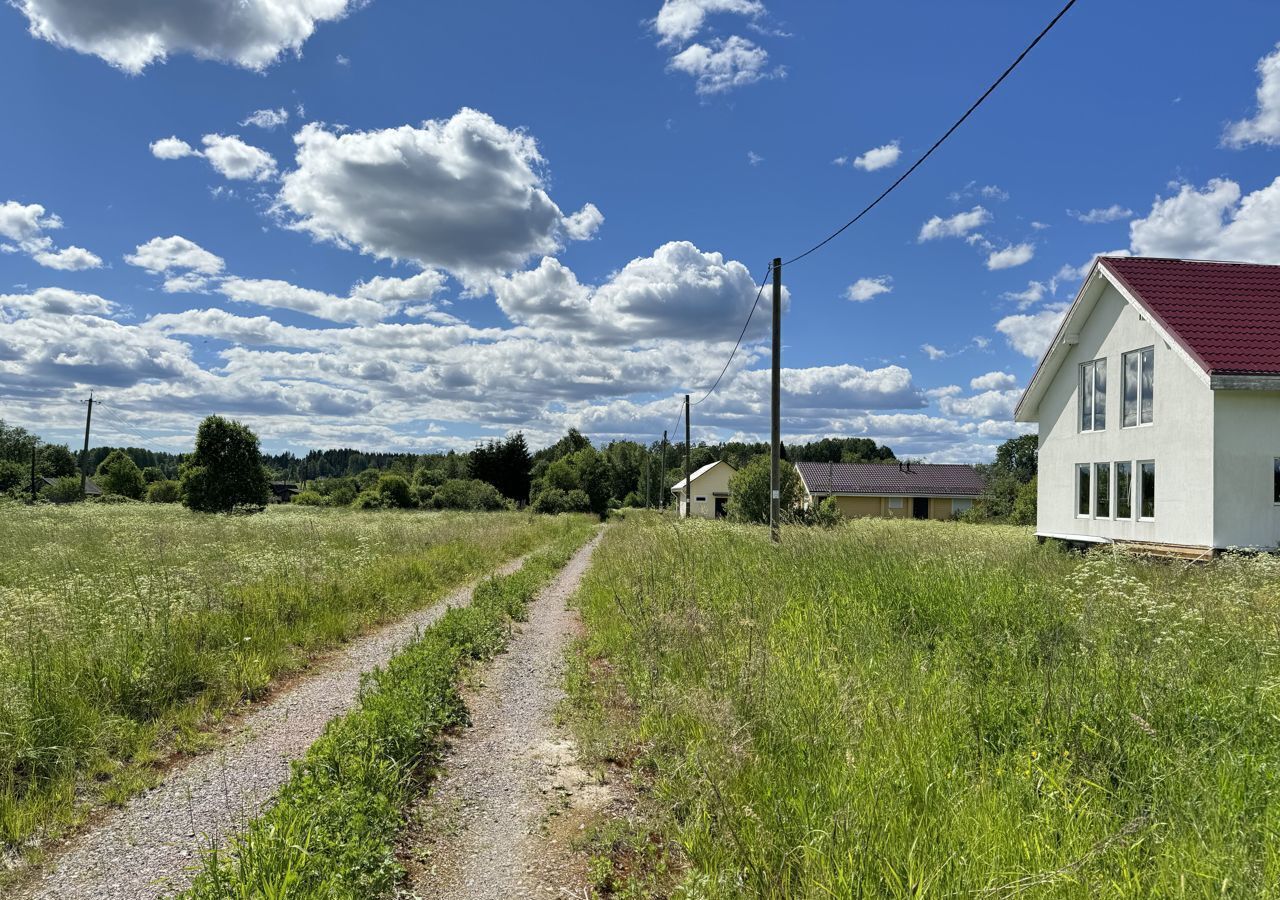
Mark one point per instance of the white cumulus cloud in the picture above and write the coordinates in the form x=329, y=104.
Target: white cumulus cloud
x=878, y=157
x=1011, y=256
x=132, y=34
x=1215, y=222
x=993, y=381
x=724, y=64
x=172, y=148
x=1113, y=213
x=959, y=225
x=267, y=118
x=1030, y=334
x=866, y=288
x=1263, y=127
x=26, y=224
x=679, y=21
x=464, y=194
x=235, y=159
x=175, y=253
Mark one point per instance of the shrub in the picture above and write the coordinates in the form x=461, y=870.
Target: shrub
x=749, y=490
x=164, y=491
x=553, y=501
x=1024, y=504
x=826, y=514
x=309, y=498
x=467, y=493
x=395, y=491
x=370, y=500
x=225, y=469
x=119, y=474
x=64, y=490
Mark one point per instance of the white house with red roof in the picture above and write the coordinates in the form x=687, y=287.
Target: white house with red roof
x=894, y=490
x=1158, y=406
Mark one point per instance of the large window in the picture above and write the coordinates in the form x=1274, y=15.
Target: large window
x=1124, y=490
x=1276, y=481
x=1102, y=490
x=1139, y=384
x=1093, y=395
x=1083, y=496
x=1146, y=490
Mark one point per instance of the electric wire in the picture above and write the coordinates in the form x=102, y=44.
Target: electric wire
x=940, y=141
x=891, y=188
x=738, y=343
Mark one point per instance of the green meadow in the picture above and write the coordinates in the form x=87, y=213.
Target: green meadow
x=929, y=709
x=128, y=630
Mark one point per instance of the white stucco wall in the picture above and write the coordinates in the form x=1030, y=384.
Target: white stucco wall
x=1246, y=444
x=712, y=482
x=1180, y=438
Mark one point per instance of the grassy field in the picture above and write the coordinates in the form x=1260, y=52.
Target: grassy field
x=128, y=629
x=912, y=709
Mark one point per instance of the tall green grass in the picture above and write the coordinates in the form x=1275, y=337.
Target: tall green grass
x=912, y=709
x=126, y=628
x=332, y=831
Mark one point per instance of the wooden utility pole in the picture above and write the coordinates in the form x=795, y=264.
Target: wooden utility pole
x=775, y=439
x=84, y=455
x=662, y=485
x=34, y=443
x=688, y=482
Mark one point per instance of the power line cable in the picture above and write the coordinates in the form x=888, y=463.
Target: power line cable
x=891, y=188
x=960, y=121
x=738, y=343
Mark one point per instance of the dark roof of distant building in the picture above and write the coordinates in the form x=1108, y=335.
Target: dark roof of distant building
x=1225, y=315
x=90, y=488
x=893, y=479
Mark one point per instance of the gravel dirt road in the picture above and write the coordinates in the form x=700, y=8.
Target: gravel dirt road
x=147, y=848
x=494, y=826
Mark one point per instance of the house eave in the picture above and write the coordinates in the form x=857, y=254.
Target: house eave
x=1244, y=382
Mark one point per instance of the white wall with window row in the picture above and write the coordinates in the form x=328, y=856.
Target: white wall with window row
x=1109, y=490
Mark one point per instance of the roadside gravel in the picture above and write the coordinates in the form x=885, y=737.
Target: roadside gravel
x=147, y=849
x=483, y=832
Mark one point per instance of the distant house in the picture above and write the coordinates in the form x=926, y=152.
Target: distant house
x=284, y=491
x=710, y=490
x=1158, y=406
x=90, y=489
x=902, y=491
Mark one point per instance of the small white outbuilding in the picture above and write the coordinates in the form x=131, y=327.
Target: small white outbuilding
x=1158, y=407
x=710, y=490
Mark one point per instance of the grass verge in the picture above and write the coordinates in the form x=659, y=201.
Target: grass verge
x=907, y=709
x=332, y=830
x=130, y=629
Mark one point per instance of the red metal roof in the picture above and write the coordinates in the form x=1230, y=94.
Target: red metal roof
x=889, y=480
x=1225, y=315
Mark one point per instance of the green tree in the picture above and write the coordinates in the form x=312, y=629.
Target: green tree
x=56, y=461
x=14, y=476
x=164, y=491
x=152, y=474
x=1017, y=457
x=749, y=490
x=225, y=469
x=119, y=474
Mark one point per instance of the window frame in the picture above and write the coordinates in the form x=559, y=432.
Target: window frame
x=1087, y=377
x=897, y=503
x=1128, y=495
x=1139, y=372
x=1084, y=471
x=1141, y=494
x=1102, y=476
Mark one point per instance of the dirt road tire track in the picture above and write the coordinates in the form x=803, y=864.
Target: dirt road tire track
x=479, y=833
x=147, y=849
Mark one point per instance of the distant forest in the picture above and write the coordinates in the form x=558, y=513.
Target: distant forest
x=571, y=474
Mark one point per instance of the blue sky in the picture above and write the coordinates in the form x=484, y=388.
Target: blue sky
x=449, y=221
